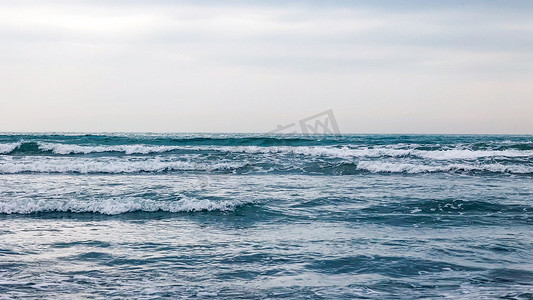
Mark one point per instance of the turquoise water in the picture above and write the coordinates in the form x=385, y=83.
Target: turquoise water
x=263, y=216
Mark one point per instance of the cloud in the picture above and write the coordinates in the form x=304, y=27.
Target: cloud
x=174, y=57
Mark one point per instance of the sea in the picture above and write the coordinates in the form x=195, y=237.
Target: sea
x=265, y=216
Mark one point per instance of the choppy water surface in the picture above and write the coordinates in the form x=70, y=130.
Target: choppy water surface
x=264, y=216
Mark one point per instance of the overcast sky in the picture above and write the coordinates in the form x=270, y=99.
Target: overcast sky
x=246, y=66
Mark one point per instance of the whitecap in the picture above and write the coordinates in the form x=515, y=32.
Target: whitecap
x=9, y=147
x=117, y=206
x=391, y=167
x=111, y=166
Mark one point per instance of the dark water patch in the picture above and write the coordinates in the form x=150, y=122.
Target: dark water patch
x=9, y=252
x=429, y=221
x=320, y=202
x=518, y=146
x=502, y=248
x=7, y=266
x=447, y=206
x=390, y=266
x=252, y=258
x=177, y=262
x=89, y=243
x=27, y=148
x=507, y=275
x=93, y=256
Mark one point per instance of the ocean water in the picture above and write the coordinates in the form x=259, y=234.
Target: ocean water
x=251, y=216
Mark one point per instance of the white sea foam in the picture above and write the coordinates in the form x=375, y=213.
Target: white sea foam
x=84, y=165
x=389, y=167
x=116, y=206
x=9, y=147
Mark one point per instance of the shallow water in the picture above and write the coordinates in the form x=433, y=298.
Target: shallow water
x=257, y=216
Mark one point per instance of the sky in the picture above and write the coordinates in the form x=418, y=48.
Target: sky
x=247, y=66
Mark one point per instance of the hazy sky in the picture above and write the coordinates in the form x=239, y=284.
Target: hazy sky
x=246, y=66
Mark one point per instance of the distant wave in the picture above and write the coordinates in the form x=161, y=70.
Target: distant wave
x=116, y=206
x=240, y=154
x=87, y=166
x=127, y=149
x=390, y=167
x=154, y=165
x=344, y=152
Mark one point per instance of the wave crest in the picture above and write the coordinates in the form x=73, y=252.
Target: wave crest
x=117, y=206
x=340, y=152
x=388, y=167
x=87, y=166
x=127, y=149
x=9, y=147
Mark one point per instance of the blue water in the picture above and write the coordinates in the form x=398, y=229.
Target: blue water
x=230, y=216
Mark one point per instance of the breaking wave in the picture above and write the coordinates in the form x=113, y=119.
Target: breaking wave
x=343, y=152
x=6, y=148
x=346, y=152
x=87, y=166
x=410, y=168
x=127, y=149
x=146, y=153
x=115, y=206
